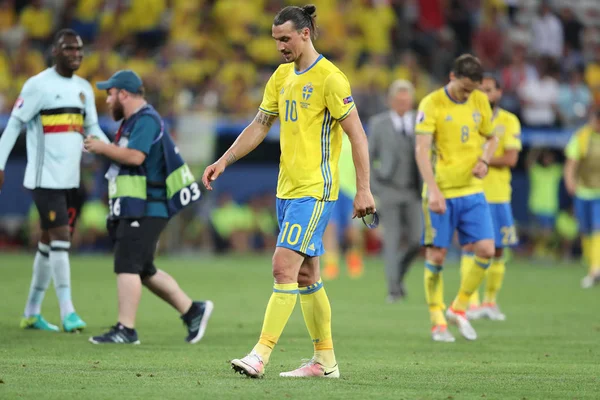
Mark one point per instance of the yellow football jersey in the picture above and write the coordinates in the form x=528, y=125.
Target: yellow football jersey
x=496, y=184
x=310, y=105
x=457, y=129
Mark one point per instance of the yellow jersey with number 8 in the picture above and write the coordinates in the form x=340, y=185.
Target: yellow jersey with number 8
x=496, y=184
x=457, y=128
x=310, y=105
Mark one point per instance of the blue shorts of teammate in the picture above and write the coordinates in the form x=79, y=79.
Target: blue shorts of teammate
x=545, y=221
x=469, y=215
x=302, y=223
x=341, y=215
x=587, y=213
x=505, y=234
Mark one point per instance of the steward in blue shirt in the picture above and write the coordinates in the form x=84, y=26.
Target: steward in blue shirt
x=148, y=182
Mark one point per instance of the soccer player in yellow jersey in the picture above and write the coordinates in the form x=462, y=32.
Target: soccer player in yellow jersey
x=582, y=179
x=498, y=191
x=313, y=101
x=453, y=162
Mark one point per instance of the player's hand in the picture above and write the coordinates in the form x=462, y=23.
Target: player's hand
x=211, y=173
x=480, y=170
x=437, y=201
x=364, y=204
x=1, y=178
x=94, y=145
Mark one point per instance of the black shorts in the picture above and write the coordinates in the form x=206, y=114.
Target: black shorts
x=58, y=207
x=135, y=245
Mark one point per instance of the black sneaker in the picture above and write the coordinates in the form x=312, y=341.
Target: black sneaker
x=117, y=334
x=196, y=320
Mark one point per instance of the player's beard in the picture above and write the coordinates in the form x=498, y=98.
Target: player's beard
x=493, y=104
x=117, y=111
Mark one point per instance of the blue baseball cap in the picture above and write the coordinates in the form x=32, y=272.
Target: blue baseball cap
x=125, y=79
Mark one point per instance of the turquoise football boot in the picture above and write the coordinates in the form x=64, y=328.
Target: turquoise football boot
x=72, y=323
x=37, y=322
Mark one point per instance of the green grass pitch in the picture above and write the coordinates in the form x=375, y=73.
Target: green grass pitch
x=549, y=348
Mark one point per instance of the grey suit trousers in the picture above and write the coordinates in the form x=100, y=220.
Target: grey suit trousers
x=402, y=227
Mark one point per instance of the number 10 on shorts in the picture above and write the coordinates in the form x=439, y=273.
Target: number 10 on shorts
x=293, y=235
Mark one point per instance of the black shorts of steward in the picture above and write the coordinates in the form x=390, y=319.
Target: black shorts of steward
x=135, y=245
x=58, y=207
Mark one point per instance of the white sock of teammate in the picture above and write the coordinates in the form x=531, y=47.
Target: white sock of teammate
x=61, y=274
x=39, y=281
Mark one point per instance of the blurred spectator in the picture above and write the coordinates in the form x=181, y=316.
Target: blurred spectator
x=37, y=19
x=264, y=222
x=410, y=70
x=377, y=36
x=489, y=42
x=539, y=97
x=442, y=58
x=574, y=100
x=592, y=74
x=232, y=225
x=515, y=74
x=572, y=28
x=544, y=182
x=92, y=226
x=82, y=16
x=547, y=32
x=458, y=15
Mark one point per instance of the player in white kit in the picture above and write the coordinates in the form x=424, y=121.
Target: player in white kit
x=58, y=109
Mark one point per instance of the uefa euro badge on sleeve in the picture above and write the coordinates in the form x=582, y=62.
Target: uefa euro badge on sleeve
x=371, y=221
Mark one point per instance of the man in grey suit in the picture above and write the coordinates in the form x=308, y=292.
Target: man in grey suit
x=396, y=183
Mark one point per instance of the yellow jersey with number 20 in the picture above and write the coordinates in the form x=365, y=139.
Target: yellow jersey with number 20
x=457, y=129
x=496, y=184
x=310, y=105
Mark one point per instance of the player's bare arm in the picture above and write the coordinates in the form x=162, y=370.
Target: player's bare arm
x=364, y=203
x=570, y=173
x=121, y=155
x=508, y=159
x=482, y=166
x=248, y=140
x=437, y=202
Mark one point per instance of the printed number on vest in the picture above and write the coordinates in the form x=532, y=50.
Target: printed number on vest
x=115, y=207
x=190, y=193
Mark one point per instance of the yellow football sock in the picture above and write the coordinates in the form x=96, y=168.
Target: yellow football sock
x=586, y=241
x=280, y=307
x=467, y=261
x=495, y=277
x=470, y=283
x=595, y=253
x=317, y=316
x=434, y=293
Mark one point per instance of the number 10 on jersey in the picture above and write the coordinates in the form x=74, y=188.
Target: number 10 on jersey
x=291, y=111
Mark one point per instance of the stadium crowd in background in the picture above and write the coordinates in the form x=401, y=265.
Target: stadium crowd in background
x=195, y=56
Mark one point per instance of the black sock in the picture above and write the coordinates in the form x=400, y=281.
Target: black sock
x=194, y=308
x=129, y=331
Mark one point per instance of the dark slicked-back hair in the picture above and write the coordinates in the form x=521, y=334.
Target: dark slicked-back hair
x=494, y=78
x=301, y=17
x=62, y=33
x=468, y=66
